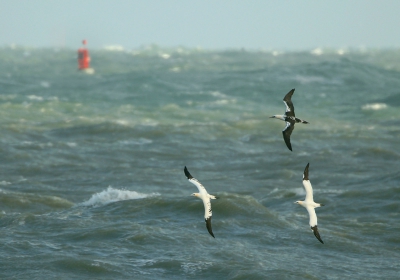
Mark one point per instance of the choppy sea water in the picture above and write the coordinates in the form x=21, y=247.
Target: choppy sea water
x=91, y=166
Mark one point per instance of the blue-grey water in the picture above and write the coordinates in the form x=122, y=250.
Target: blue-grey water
x=91, y=166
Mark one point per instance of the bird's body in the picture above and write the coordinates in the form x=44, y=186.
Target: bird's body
x=309, y=204
x=289, y=117
x=205, y=197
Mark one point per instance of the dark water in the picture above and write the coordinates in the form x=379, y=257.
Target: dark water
x=92, y=183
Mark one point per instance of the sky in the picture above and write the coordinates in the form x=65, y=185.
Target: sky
x=209, y=24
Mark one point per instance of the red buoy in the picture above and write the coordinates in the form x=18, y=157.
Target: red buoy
x=83, y=57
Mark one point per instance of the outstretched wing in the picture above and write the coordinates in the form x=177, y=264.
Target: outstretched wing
x=289, y=104
x=287, y=132
x=194, y=181
x=307, y=185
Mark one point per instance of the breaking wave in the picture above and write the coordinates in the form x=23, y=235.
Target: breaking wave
x=112, y=195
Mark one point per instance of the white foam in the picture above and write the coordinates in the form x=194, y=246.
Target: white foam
x=195, y=267
x=224, y=102
x=114, y=48
x=309, y=79
x=112, y=195
x=165, y=55
x=276, y=53
x=317, y=51
x=35, y=97
x=374, y=106
x=122, y=122
x=299, y=191
x=139, y=141
x=217, y=94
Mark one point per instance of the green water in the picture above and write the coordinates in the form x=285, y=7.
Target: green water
x=92, y=183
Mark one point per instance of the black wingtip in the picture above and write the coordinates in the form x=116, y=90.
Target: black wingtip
x=208, y=225
x=288, y=95
x=187, y=173
x=316, y=233
x=305, y=174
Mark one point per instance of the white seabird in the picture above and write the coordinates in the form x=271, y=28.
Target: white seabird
x=289, y=117
x=203, y=195
x=309, y=204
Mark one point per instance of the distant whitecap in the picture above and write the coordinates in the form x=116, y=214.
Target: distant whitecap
x=165, y=55
x=276, y=53
x=139, y=141
x=35, y=97
x=309, y=79
x=71, y=144
x=374, y=106
x=114, y=48
x=317, y=51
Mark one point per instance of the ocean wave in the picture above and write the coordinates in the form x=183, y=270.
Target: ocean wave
x=4, y=183
x=16, y=199
x=113, y=195
x=237, y=204
x=376, y=152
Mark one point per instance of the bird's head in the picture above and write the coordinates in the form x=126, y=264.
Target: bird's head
x=299, y=202
x=279, y=117
x=195, y=194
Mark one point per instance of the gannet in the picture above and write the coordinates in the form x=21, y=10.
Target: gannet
x=203, y=195
x=309, y=204
x=289, y=117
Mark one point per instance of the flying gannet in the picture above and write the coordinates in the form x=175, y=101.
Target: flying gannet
x=309, y=204
x=203, y=195
x=289, y=117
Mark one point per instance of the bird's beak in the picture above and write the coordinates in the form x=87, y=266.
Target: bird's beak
x=272, y=117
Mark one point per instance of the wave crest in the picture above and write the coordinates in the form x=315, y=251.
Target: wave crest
x=112, y=195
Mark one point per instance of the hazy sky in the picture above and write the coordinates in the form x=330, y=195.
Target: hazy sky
x=211, y=24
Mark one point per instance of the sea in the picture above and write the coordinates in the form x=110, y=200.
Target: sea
x=91, y=166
